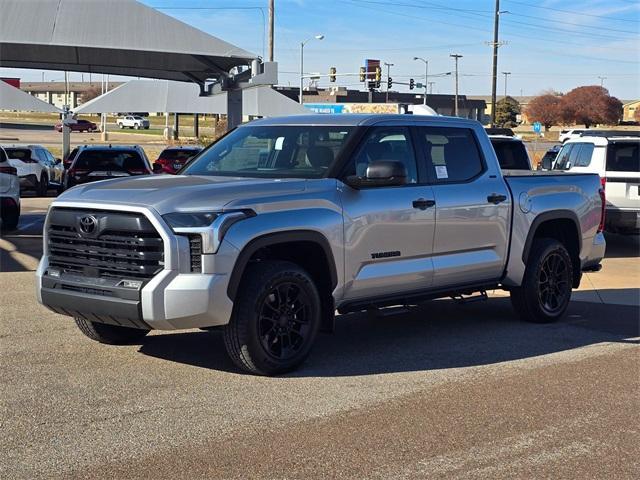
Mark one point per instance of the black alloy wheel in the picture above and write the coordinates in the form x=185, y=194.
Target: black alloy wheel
x=554, y=283
x=284, y=325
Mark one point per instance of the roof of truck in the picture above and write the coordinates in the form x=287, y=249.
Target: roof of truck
x=357, y=119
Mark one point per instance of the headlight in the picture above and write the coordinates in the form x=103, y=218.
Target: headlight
x=212, y=226
x=190, y=219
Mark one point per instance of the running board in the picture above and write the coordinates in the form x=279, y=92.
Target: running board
x=479, y=297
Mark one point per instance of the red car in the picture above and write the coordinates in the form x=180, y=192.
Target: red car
x=173, y=159
x=81, y=126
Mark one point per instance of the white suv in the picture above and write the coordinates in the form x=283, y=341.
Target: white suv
x=566, y=135
x=133, y=121
x=37, y=168
x=9, y=194
x=617, y=160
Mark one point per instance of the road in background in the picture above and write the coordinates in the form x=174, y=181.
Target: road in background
x=442, y=390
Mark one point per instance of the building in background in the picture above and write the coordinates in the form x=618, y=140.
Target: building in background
x=442, y=104
x=629, y=109
x=55, y=93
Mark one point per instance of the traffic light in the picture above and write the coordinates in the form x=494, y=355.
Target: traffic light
x=389, y=83
x=363, y=74
x=332, y=74
x=378, y=76
x=412, y=84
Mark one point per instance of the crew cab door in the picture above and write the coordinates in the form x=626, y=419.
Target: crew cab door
x=472, y=206
x=388, y=230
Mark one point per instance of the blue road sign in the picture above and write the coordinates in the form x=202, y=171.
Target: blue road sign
x=537, y=127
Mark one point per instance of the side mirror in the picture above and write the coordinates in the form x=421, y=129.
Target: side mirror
x=58, y=161
x=381, y=173
x=157, y=168
x=547, y=163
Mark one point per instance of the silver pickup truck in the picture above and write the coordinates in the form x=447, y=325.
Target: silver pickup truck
x=280, y=223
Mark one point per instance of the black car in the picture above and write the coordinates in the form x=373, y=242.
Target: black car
x=98, y=162
x=549, y=158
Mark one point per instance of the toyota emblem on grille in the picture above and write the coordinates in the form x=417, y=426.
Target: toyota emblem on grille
x=88, y=224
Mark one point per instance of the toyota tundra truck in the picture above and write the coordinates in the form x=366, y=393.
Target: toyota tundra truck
x=282, y=222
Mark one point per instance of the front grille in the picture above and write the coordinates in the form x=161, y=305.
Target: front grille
x=123, y=245
x=195, y=249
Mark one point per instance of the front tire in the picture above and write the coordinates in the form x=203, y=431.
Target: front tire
x=275, y=319
x=42, y=186
x=110, y=334
x=545, y=292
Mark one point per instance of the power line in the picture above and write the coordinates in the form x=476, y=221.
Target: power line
x=573, y=12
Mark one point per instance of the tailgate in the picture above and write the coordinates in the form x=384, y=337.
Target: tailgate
x=623, y=174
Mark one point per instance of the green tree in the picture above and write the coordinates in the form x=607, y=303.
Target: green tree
x=507, y=111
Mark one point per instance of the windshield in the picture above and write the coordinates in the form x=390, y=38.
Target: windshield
x=174, y=154
x=125, y=160
x=18, y=153
x=272, y=152
x=511, y=155
x=623, y=157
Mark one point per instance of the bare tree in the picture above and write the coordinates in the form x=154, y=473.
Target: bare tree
x=90, y=93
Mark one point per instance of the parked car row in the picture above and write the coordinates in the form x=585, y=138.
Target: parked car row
x=37, y=169
x=9, y=193
x=616, y=159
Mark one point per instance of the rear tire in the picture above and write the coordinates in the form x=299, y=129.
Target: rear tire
x=110, y=334
x=10, y=218
x=545, y=292
x=275, y=319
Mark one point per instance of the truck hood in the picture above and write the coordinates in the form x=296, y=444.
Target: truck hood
x=174, y=193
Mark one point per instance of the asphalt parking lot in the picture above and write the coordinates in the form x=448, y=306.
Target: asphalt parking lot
x=440, y=391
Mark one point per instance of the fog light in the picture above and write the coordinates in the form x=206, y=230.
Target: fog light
x=130, y=284
x=54, y=272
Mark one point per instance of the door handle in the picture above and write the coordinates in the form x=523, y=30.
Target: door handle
x=423, y=203
x=496, y=198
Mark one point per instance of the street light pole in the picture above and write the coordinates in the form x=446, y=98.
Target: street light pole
x=602, y=79
x=302, y=44
x=505, y=83
x=388, y=65
x=456, y=56
x=426, y=76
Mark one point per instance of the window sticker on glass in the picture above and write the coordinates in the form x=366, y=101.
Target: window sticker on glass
x=441, y=171
x=279, y=143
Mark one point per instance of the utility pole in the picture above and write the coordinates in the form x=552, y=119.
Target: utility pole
x=388, y=65
x=456, y=56
x=494, y=78
x=271, y=16
x=505, y=83
x=431, y=84
x=602, y=79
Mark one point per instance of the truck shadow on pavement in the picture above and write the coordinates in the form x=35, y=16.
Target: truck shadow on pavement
x=21, y=249
x=438, y=335
x=622, y=246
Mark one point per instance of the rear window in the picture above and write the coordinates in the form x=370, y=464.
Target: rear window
x=623, y=157
x=178, y=154
x=124, y=160
x=511, y=155
x=18, y=153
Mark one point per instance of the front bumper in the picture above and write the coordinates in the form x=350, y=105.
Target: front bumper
x=173, y=299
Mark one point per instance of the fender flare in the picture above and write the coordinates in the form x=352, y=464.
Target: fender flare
x=273, y=239
x=546, y=216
